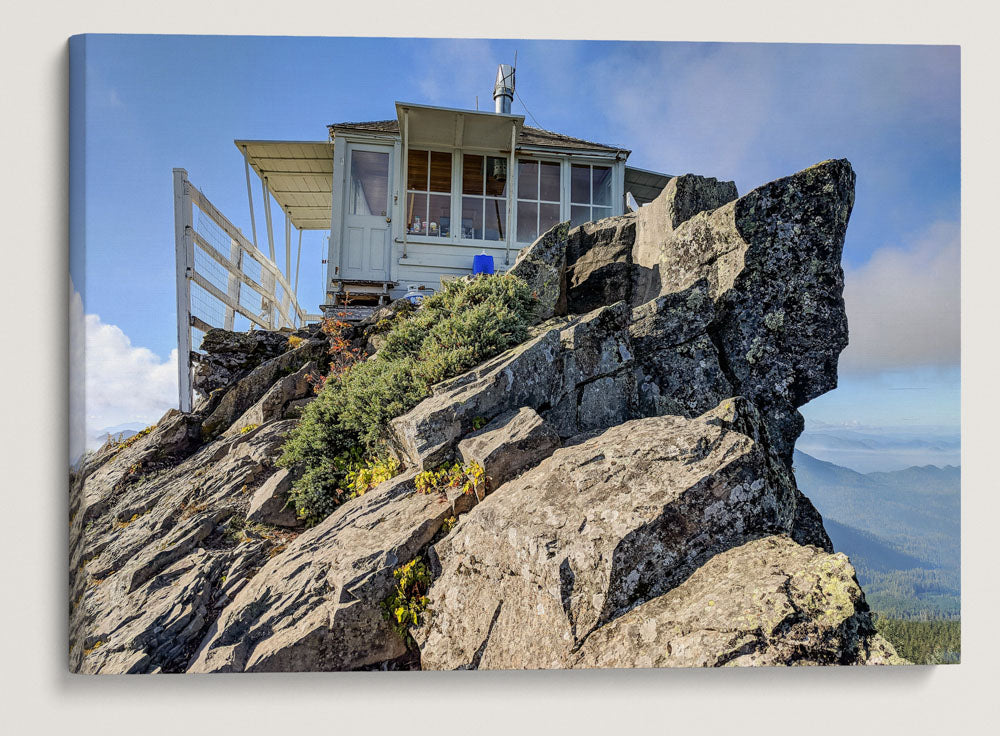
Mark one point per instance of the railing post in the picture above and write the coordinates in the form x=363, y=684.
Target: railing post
x=268, y=302
x=233, y=290
x=184, y=252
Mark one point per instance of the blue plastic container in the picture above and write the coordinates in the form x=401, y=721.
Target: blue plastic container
x=483, y=263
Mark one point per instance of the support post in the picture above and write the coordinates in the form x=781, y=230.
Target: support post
x=406, y=175
x=267, y=217
x=511, y=199
x=233, y=290
x=184, y=252
x=288, y=247
x=253, y=221
x=298, y=260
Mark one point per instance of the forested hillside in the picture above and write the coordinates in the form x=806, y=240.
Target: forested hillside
x=924, y=642
x=901, y=530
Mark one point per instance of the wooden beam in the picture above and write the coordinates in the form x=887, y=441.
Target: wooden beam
x=184, y=256
x=211, y=289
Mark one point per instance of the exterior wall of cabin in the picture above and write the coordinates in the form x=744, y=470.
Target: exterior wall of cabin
x=423, y=259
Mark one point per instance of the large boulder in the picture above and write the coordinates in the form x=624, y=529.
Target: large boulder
x=225, y=356
x=682, y=198
x=542, y=265
x=508, y=445
x=318, y=605
x=277, y=399
x=599, y=263
x=247, y=391
x=596, y=529
x=556, y=373
x=767, y=602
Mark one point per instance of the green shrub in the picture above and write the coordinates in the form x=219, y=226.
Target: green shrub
x=468, y=322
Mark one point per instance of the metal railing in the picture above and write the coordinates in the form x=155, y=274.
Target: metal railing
x=223, y=280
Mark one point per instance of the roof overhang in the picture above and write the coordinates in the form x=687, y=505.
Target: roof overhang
x=645, y=185
x=299, y=175
x=448, y=127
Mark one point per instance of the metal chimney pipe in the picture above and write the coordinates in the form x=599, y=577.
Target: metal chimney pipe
x=503, y=90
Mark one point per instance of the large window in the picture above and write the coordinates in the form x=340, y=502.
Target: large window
x=590, y=193
x=428, y=193
x=539, y=184
x=484, y=197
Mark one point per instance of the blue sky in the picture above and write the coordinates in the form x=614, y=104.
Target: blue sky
x=747, y=112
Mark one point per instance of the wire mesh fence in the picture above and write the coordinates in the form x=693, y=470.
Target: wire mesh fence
x=222, y=280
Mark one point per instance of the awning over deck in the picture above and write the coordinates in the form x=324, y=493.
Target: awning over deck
x=644, y=185
x=299, y=175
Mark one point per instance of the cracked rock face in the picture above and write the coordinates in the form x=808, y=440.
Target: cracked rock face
x=317, y=605
x=639, y=510
x=767, y=602
x=596, y=529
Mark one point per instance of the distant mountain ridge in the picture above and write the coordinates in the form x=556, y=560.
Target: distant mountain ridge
x=901, y=530
x=887, y=449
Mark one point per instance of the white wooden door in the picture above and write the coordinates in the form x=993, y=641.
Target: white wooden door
x=367, y=230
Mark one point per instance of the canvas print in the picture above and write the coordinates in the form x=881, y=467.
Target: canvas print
x=437, y=354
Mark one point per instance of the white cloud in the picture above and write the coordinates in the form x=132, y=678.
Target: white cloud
x=903, y=305
x=452, y=72
x=124, y=384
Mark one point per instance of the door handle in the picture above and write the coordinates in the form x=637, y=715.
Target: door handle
x=388, y=219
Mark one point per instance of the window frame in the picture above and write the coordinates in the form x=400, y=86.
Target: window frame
x=484, y=197
x=405, y=209
x=537, y=201
x=591, y=205
x=565, y=160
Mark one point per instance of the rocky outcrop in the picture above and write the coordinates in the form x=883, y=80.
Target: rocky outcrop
x=233, y=401
x=596, y=529
x=543, y=268
x=767, y=602
x=733, y=296
x=149, y=555
x=269, y=504
x=317, y=605
x=224, y=357
x=508, y=445
x=639, y=507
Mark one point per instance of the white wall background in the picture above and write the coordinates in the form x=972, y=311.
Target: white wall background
x=38, y=694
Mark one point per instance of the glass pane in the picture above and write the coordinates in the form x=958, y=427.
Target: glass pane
x=440, y=171
x=527, y=181
x=527, y=220
x=439, y=215
x=496, y=176
x=578, y=215
x=496, y=219
x=416, y=217
x=580, y=184
x=369, y=192
x=416, y=166
x=472, y=218
x=550, y=179
x=472, y=174
x=601, y=212
x=548, y=215
x=602, y=185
